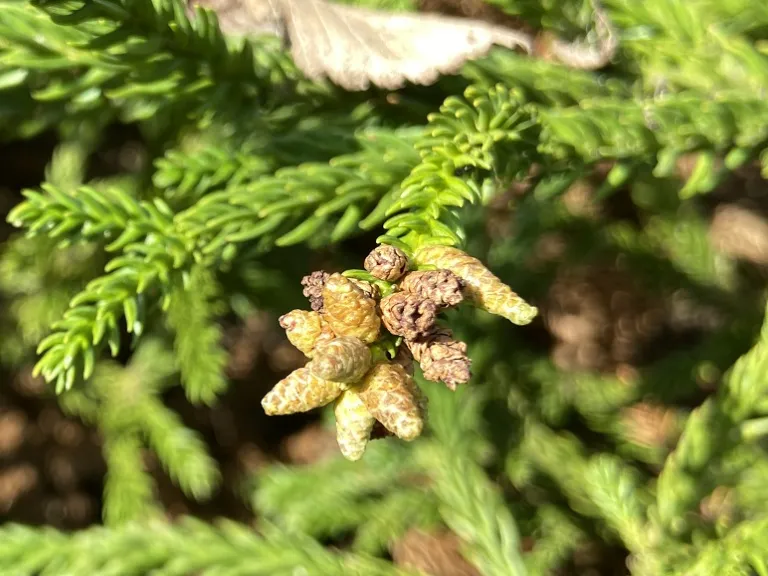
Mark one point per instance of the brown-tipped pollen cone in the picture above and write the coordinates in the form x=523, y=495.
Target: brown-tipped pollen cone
x=443, y=287
x=482, y=288
x=300, y=391
x=408, y=315
x=348, y=311
x=343, y=359
x=388, y=393
x=313, y=289
x=442, y=358
x=404, y=359
x=305, y=329
x=353, y=425
x=386, y=263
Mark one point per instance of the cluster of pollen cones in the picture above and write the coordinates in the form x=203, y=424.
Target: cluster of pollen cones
x=362, y=337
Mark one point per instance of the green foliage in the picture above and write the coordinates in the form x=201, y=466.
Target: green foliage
x=124, y=404
x=470, y=504
x=312, y=202
x=201, y=359
x=684, y=480
x=377, y=500
x=256, y=174
x=188, y=547
x=92, y=319
x=469, y=134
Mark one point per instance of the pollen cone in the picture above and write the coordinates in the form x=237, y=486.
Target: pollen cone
x=482, y=287
x=387, y=391
x=343, y=359
x=353, y=425
x=300, y=391
x=305, y=329
x=348, y=311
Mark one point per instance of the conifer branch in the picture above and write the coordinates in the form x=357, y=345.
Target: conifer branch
x=556, y=537
x=181, y=451
x=186, y=547
x=349, y=493
x=492, y=123
x=601, y=486
x=659, y=131
x=189, y=175
x=471, y=134
x=89, y=214
x=152, y=253
x=92, y=322
x=29, y=69
x=39, y=283
x=563, y=458
x=620, y=500
x=197, y=337
x=495, y=123
x=392, y=516
x=132, y=53
x=128, y=489
x=321, y=202
x=221, y=159
x=473, y=508
x=665, y=33
x=471, y=505
x=280, y=161
x=123, y=404
x=741, y=551
x=710, y=432
x=544, y=83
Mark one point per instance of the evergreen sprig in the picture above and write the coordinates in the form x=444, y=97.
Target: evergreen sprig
x=480, y=132
x=186, y=547
x=233, y=156
x=124, y=404
x=197, y=337
x=131, y=53
x=710, y=432
x=470, y=505
x=128, y=490
x=556, y=537
x=378, y=499
x=474, y=509
x=321, y=202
